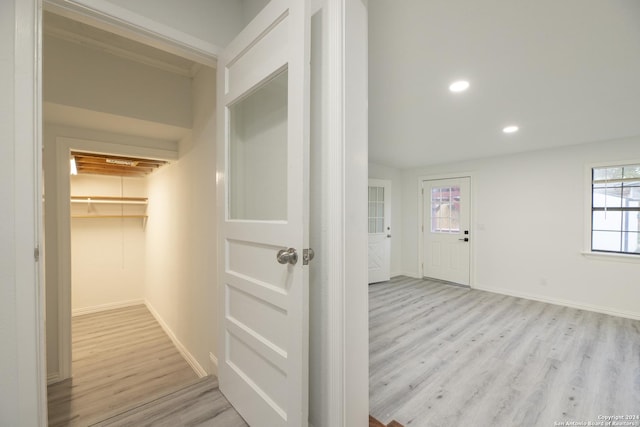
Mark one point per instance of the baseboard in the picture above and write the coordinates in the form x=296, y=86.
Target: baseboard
x=199, y=370
x=104, y=307
x=53, y=377
x=411, y=274
x=564, y=303
x=214, y=364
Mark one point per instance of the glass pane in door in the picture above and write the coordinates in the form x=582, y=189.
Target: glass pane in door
x=258, y=153
x=376, y=210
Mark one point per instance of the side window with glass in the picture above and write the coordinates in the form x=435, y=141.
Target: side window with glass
x=615, y=209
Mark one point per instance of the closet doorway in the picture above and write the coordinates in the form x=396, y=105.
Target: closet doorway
x=130, y=235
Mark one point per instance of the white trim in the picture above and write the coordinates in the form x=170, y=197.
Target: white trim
x=26, y=203
x=334, y=140
x=199, y=370
x=63, y=147
x=110, y=17
x=561, y=302
x=353, y=61
x=472, y=215
x=103, y=307
x=588, y=191
x=213, y=360
x=53, y=377
x=411, y=274
x=612, y=256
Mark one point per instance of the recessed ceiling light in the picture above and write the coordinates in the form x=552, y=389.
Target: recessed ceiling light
x=510, y=129
x=459, y=86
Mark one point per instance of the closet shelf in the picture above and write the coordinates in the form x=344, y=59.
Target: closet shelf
x=110, y=200
x=110, y=216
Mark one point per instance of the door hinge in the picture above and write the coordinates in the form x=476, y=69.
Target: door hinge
x=307, y=255
x=36, y=254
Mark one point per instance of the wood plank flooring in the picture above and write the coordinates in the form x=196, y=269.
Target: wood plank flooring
x=442, y=355
x=199, y=404
x=120, y=357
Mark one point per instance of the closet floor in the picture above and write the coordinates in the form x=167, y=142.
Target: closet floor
x=120, y=357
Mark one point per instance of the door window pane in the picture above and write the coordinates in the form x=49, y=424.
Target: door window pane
x=445, y=209
x=258, y=153
x=376, y=210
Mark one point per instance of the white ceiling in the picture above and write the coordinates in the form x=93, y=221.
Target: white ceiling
x=565, y=71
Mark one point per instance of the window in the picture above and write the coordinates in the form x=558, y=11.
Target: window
x=445, y=209
x=615, y=209
x=376, y=210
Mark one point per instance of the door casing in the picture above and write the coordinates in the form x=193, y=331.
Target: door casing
x=345, y=101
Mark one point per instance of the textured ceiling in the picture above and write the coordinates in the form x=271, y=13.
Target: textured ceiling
x=567, y=72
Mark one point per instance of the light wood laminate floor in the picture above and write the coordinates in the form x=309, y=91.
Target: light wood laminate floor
x=120, y=358
x=199, y=404
x=442, y=355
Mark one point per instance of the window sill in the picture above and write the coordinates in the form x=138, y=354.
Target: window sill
x=606, y=256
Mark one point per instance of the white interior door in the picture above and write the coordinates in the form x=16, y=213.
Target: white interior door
x=446, y=247
x=379, y=230
x=263, y=168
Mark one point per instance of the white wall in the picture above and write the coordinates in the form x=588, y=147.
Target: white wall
x=107, y=254
x=395, y=176
x=528, y=227
x=84, y=77
x=214, y=21
x=181, y=232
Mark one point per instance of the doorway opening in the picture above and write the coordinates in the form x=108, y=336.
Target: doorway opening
x=126, y=238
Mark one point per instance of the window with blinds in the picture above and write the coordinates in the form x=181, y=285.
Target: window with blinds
x=615, y=209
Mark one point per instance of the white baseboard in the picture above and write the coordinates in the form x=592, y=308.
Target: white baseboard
x=214, y=364
x=53, y=377
x=412, y=274
x=104, y=307
x=199, y=370
x=555, y=301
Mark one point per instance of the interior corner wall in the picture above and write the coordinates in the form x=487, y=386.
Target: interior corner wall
x=107, y=254
x=395, y=176
x=528, y=227
x=181, y=273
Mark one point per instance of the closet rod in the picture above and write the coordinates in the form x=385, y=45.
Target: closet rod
x=110, y=200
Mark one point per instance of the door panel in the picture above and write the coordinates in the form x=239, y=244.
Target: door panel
x=263, y=166
x=446, y=210
x=379, y=230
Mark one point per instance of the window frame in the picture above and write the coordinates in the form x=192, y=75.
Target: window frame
x=588, y=219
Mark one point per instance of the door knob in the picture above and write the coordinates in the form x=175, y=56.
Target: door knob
x=287, y=256
x=466, y=239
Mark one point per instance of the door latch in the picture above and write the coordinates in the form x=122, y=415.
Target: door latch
x=307, y=255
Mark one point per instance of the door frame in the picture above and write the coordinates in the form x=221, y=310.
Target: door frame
x=344, y=102
x=421, y=230
x=64, y=146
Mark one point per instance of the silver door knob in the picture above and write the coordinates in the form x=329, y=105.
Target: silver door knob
x=287, y=256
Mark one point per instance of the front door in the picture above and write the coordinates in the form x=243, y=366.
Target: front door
x=446, y=247
x=263, y=169
x=379, y=230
